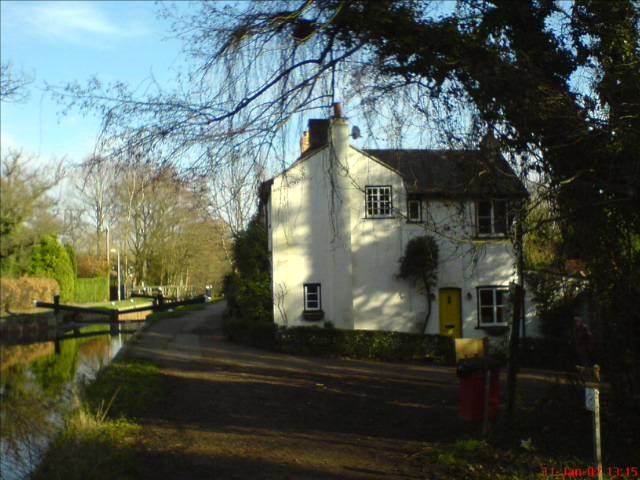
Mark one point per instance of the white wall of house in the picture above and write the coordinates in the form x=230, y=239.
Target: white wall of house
x=319, y=233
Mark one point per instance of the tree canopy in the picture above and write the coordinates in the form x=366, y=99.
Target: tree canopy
x=557, y=82
x=26, y=209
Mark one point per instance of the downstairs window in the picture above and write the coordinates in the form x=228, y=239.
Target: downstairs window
x=492, y=303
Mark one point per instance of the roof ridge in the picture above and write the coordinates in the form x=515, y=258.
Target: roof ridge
x=420, y=150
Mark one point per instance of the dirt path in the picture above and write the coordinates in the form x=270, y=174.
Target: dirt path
x=237, y=413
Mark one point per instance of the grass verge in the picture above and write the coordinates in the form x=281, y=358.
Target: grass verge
x=100, y=440
x=177, y=312
x=91, y=447
x=474, y=459
x=121, y=305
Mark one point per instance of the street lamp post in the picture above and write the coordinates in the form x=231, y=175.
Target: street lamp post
x=118, y=252
x=108, y=245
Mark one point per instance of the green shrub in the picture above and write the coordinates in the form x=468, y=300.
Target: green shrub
x=363, y=344
x=248, y=289
x=51, y=260
x=550, y=353
x=397, y=346
x=91, y=290
x=255, y=334
x=310, y=340
x=71, y=253
x=419, y=265
x=253, y=297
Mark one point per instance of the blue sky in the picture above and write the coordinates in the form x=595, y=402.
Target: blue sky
x=59, y=42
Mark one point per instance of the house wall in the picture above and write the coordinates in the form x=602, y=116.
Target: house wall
x=310, y=240
x=320, y=234
x=380, y=300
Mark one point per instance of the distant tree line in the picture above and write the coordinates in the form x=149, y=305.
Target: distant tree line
x=155, y=220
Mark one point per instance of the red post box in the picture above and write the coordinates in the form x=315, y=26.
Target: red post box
x=472, y=389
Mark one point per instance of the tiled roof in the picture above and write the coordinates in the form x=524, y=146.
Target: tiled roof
x=453, y=173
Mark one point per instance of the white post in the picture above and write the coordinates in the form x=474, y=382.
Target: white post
x=597, y=445
x=119, y=295
x=592, y=402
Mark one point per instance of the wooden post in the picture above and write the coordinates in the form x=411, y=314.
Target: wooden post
x=597, y=446
x=53, y=322
x=518, y=306
x=114, y=327
x=57, y=312
x=514, y=347
x=487, y=390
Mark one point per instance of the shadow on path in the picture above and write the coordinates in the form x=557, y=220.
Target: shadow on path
x=235, y=412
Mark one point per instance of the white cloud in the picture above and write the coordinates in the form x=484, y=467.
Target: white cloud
x=79, y=22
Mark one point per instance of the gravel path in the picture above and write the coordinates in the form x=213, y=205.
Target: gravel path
x=232, y=412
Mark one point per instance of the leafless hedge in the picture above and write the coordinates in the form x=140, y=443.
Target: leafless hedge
x=17, y=295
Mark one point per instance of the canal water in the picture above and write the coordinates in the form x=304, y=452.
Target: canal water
x=40, y=383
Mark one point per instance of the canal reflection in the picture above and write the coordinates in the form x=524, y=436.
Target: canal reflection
x=39, y=385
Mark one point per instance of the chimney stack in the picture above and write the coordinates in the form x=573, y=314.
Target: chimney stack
x=304, y=142
x=318, y=133
x=337, y=110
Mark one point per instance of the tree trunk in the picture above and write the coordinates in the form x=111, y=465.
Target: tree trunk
x=426, y=318
x=517, y=322
x=514, y=345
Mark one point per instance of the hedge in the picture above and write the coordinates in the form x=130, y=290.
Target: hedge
x=19, y=294
x=362, y=344
x=89, y=290
x=548, y=353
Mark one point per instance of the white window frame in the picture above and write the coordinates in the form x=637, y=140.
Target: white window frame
x=494, y=306
x=508, y=218
x=417, y=219
x=375, y=204
x=307, y=293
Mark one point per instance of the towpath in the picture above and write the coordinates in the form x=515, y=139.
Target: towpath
x=233, y=412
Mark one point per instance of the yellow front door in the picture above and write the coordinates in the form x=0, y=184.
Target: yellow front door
x=450, y=314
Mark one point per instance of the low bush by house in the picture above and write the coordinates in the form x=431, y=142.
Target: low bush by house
x=90, y=290
x=19, y=294
x=363, y=344
x=548, y=353
x=254, y=334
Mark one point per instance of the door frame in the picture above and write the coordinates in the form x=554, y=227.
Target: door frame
x=459, y=290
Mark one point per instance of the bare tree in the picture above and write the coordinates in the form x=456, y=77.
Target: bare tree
x=13, y=85
x=97, y=189
x=167, y=234
x=232, y=190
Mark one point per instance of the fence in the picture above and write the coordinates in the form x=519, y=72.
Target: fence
x=114, y=317
x=175, y=292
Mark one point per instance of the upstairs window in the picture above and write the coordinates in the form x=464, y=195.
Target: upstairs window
x=312, y=297
x=378, y=200
x=414, y=210
x=492, y=302
x=493, y=218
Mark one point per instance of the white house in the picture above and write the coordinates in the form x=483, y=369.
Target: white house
x=339, y=219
